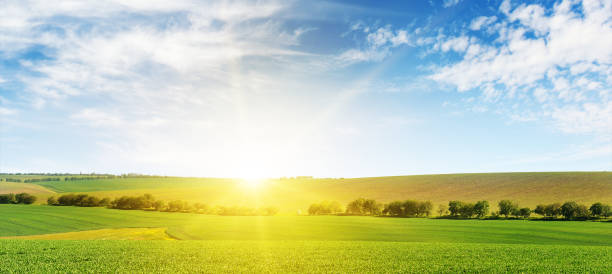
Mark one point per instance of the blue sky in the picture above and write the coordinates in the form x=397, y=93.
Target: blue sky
x=321, y=88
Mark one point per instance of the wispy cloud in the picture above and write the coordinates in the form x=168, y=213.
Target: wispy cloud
x=534, y=55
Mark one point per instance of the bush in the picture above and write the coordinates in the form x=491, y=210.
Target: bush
x=325, y=207
x=507, y=207
x=363, y=206
x=21, y=198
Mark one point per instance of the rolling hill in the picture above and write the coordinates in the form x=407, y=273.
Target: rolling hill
x=291, y=195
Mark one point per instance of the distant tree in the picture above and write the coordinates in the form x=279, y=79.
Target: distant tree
x=8, y=198
x=159, y=205
x=540, y=210
x=606, y=211
x=356, y=207
x=394, y=208
x=453, y=207
x=52, y=201
x=175, y=206
x=25, y=198
x=553, y=210
x=442, y=210
x=599, y=210
x=200, y=208
x=410, y=208
x=314, y=209
x=334, y=207
x=467, y=210
x=525, y=212
x=569, y=210
x=424, y=208
x=104, y=202
x=507, y=207
x=582, y=212
x=371, y=207
x=481, y=208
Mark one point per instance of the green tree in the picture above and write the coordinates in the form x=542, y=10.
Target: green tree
x=52, y=201
x=481, y=208
x=507, y=207
x=569, y=210
x=596, y=209
x=525, y=212
x=453, y=207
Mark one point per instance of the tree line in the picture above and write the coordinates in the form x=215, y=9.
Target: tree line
x=149, y=203
x=21, y=198
x=459, y=209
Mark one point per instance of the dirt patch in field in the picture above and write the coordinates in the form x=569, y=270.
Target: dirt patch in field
x=158, y=233
x=10, y=187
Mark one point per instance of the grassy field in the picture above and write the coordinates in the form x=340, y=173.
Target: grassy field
x=529, y=189
x=31, y=220
x=8, y=187
x=296, y=256
x=285, y=244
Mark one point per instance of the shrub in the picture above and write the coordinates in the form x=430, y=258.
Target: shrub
x=453, y=207
x=481, y=208
x=507, y=207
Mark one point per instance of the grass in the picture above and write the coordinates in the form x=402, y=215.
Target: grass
x=529, y=189
x=290, y=244
x=9, y=187
x=31, y=220
x=158, y=233
x=296, y=256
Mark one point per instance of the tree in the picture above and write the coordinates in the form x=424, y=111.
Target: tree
x=159, y=205
x=553, y=210
x=606, y=211
x=453, y=207
x=481, y=208
x=424, y=208
x=597, y=209
x=507, y=207
x=104, y=202
x=52, y=201
x=569, y=209
x=371, y=207
x=467, y=210
x=582, y=212
x=25, y=198
x=394, y=208
x=525, y=212
x=356, y=207
x=540, y=210
x=442, y=210
x=314, y=209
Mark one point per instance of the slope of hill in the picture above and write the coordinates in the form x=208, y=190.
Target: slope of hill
x=291, y=195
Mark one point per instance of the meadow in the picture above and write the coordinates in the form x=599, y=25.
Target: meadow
x=33, y=256
x=293, y=195
x=41, y=238
x=35, y=220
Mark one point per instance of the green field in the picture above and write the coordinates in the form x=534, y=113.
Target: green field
x=529, y=189
x=296, y=256
x=313, y=244
x=32, y=220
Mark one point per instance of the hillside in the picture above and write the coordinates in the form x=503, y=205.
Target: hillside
x=291, y=195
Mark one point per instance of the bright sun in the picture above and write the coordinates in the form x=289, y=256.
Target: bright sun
x=251, y=183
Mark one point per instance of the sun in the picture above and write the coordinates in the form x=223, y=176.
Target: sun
x=251, y=183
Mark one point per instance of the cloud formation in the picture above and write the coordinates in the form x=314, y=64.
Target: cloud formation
x=558, y=60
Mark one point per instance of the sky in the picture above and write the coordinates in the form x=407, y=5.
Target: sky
x=305, y=88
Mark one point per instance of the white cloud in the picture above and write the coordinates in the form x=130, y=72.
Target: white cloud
x=562, y=57
x=7, y=111
x=482, y=21
x=450, y=3
x=378, y=44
